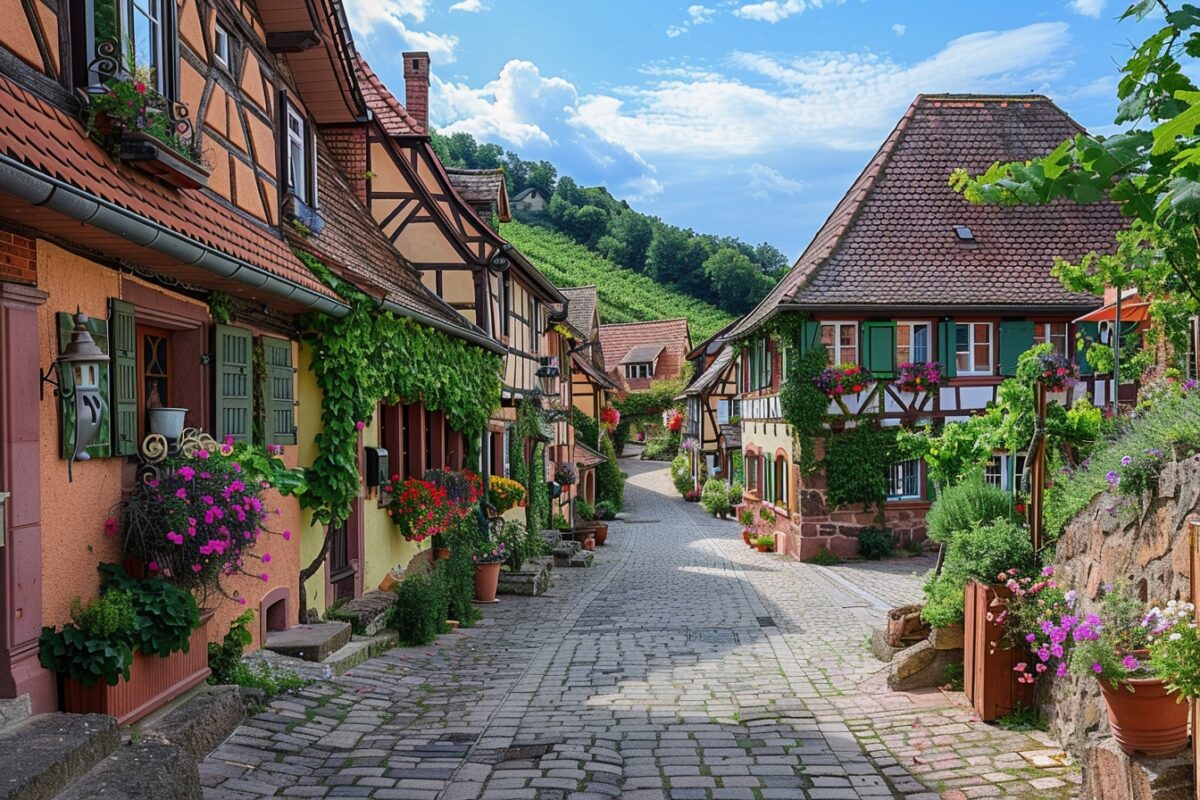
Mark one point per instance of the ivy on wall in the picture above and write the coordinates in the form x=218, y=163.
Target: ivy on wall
x=371, y=356
x=803, y=405
x=530, y=473
x=857, y=464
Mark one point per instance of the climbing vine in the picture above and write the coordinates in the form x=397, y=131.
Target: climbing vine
x=803, y=405
x=857, y=464
x=531, y=473
x=371, y=356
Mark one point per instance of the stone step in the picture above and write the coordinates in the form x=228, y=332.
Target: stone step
x=14, y=712
x=198, y=721
x=145, y=770
x=353, y=653
x=310, y=642
x=45, y=753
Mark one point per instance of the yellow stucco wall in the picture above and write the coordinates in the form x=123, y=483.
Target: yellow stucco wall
x=770, y=437
x=308, y=425
x=383, y=546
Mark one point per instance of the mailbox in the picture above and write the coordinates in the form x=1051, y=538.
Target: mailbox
x=377, y=465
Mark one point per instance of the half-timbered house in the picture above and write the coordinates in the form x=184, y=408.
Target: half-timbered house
x=905, y=270
x=637, y=353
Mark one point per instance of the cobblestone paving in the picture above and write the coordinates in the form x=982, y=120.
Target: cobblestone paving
x=682, y=665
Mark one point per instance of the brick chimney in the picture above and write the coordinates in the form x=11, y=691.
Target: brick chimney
x=416, y=87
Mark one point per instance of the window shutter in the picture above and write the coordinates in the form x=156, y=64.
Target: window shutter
x=947, y=338
x=810, y=336
x=234, y=395
x=123, y=402
x=312, y=164
x=1016, y=336
x=278, y=391
x=1090, y=331
x=879, y=348
x=769, y=489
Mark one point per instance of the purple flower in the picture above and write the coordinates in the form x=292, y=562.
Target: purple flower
x=1130, y=663
x=1112, y=477
x=1126, y=461
x=1097, y=668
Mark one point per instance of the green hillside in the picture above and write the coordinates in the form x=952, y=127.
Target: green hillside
x=625, y=296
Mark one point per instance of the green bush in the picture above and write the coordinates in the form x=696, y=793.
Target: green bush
x=225, y=658
x=457, y=573
x=587, y=428
x=606, y=511
x=967, y=505
x=979, y=553
x=734, y=494
x=660, y=448
x=265, y=677
x=715, y=498
x=166, y=614
x=943, y=600
x=610, y=482
x=856, y=465
x=824, y=558
x=681, y=474
x=420, y=611
x=875, y=543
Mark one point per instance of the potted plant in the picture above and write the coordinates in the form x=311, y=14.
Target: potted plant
x=504, y=493
x=765, y=543
x=566, y=474
x=840, y=381
x=488, y=556
x=919, y=376
x=589, y=519
x=606, y=511
x=746, y=518
x=1145, y=714
x=1057, y=373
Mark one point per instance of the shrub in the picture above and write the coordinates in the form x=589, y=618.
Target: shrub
x=734, y=493
x=585, y=510
x=263, y=676
x=521, y=544
x=457, y=573
x=165, y=614
x=824, y=558
x=681, y=474
x=610, y=483
x=661, y=448
x=766, y=540
x=875, y=543
x=979, y=553
x=587, y=429
x=606, y=511
x=943, y=601
x=746, y=518
x=225, y=658
x=966, y=505
x=420, y=611
x=715, y=498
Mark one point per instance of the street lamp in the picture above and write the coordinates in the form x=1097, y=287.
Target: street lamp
x=81, y=361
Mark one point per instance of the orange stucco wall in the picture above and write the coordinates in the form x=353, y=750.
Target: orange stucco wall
x=73, y=514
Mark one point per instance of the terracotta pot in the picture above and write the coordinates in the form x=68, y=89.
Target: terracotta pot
x=388, y=583
x=762, y=548
x=746, y=537
x=601, y=532
x=589, y=543
x=153, y=681
x=487, y=579
x=442, y=553
x=1146, y=721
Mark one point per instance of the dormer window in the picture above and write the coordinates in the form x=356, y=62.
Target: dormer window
x=640, y=369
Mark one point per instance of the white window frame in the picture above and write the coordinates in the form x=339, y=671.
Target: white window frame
x=837, y=350
x=899, y=475
x=912, y=327
x=154, y=12
x=506, y=443
x=639, y=369
x=970, y=352
x=221, y=45
x=297, y=140
x=1043, y=333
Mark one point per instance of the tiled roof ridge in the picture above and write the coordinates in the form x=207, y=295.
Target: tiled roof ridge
x=642, y=322
x=470, y=171
x=384, y=94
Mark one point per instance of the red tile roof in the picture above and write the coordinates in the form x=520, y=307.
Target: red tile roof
x=586, y=457
x=48, y=139
x=581, y=307
x=891, y=240
x=383, y=104
x=670, y=334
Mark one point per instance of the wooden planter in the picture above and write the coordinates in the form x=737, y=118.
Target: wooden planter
x=154, y=158
x=988, y=678
x=153, y=682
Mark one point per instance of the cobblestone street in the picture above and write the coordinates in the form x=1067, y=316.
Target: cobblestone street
x=682, y=665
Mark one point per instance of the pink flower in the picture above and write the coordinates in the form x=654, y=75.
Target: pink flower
x=241, y=601
x=202, y=454
x=226, y=450
x=187, y=473
x=266, y=577
x=1097, y=668
x=111, y=527
x=152, y=566
x=266, y=558
x=181, y=493
x=1130, y=663
x=358, y=426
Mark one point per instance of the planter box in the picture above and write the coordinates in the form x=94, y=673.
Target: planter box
x=153, y=682
x=154, y=158
x=988, y=678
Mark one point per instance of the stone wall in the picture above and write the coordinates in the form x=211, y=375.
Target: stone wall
x=1147, y=547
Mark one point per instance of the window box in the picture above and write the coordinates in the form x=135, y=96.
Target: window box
x=143, y=152
x=295, y=210
x=153, y=682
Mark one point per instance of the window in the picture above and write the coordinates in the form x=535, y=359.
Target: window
x=154, y=366
x=639, y=370
x=904, y=480
x=221, y=45
x=751, y=472
x=1005, y=471
x=297, y=155
x=536, y=317
x=841, y=341
x=973, y=348
x=993, y=472
x=1054, y=333
x=912, y=342
x=781, y=481
x=142, y=30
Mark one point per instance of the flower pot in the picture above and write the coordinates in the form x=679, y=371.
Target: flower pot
x=442, y=553
x=153, y=682
x=601, y=533
x=168, y=422
x=487, y=579
x=746, y=536
x=762, y=548
x=589, y=543
x=1146, y=721
x=388, y=583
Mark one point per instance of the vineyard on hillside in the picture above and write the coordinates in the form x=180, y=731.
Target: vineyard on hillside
x=625, y=296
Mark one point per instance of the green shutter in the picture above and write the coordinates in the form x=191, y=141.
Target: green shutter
x=879, y=348
x=1089, y=333
x=1016, y=336
x=947, y=334
x=234, y=384
x=122, y=333
x=278, y=391
x=810, y=337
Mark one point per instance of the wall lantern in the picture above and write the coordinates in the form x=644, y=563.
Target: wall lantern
x=78, y=372
x=547, y=375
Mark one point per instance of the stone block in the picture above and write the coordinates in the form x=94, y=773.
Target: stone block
x=201, y=722
x=43, y=754
x=921, y=667
x=146, y=770
x=1110, y=774
x=367, y=614
x=532, y=581
x=880, y=647
x=948, y=638
x=310, y=642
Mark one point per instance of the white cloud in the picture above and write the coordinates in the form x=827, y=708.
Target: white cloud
x=899, y=29
x=765, y=182
x=697, y=15
x=368, y=17
x=1088, y=8
x=777, y=10
x=840, y=100
x=677, y=30
x=469, y=6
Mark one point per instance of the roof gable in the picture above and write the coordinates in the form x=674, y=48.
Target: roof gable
x=668, y=338
x=891, y=239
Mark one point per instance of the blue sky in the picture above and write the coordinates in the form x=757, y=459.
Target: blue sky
x=733, y=116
